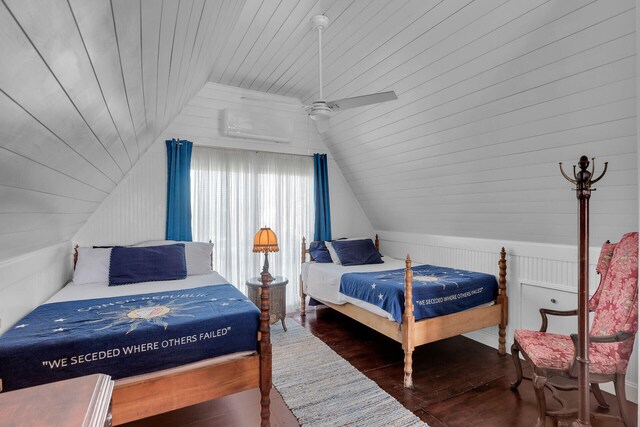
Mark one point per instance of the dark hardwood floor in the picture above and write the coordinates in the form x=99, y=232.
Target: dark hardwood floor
x=458, y=382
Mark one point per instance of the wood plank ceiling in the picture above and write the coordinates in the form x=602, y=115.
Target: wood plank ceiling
x=492, y=95
x=86, y=86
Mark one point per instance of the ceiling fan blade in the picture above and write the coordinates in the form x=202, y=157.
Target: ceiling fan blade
x=322, y=125
x=360, y=101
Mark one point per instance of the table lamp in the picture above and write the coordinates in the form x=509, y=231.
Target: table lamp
x=265, y=241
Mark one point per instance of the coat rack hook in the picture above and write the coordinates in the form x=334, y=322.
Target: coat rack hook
x=573, y=181
x=606, y=164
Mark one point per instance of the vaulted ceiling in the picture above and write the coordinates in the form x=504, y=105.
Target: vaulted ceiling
x=492, y=94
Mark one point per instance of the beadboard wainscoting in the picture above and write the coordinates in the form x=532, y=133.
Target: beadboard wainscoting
x=536, y=273
x=30, y=279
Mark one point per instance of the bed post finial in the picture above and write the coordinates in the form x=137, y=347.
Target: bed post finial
x=302, y=295
x=265, y=351
x=503, y=300
x=376, y=242
x=408, y=324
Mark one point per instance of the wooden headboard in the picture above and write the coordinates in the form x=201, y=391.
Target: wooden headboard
x=306, y=250
x=75, y=256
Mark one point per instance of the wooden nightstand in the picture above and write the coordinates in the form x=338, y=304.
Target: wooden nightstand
x=278, y=300
x=78, y=402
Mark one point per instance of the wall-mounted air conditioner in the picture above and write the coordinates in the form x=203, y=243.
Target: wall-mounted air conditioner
x=263, y=126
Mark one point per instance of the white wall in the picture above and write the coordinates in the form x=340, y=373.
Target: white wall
x=135, y=210
x=549, y=270
x=29, y=279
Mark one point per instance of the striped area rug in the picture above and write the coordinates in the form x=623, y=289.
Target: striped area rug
x=323, y=389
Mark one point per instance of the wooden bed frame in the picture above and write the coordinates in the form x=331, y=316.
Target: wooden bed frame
x=154, y=393
x=411, y=333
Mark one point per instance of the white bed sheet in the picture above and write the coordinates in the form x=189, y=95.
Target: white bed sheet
x=322, y=282
x=72, y=292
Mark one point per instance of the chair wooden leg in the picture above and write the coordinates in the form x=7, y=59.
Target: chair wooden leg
x=538, y=386
x=595, y=388
x=515, y=354
x=621, y=396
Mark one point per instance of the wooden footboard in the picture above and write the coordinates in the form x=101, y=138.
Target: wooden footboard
x=437, y=328
x=155, y=393
x=151, y=394
x=411, y=333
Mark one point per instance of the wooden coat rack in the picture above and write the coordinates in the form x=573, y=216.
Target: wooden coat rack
x=583, y=180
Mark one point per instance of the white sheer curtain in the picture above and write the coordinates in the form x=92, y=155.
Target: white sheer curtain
x=234, y=193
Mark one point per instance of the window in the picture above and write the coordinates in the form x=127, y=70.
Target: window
x=234, y=193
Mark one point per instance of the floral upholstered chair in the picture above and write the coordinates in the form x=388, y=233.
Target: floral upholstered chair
x=611, y=338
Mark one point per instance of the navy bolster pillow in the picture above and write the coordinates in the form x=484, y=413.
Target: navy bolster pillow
x=357, y=252
x=147, y=264
x=319, y=251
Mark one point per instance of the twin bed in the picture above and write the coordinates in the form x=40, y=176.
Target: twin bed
x=440, y=304
x=168, y=344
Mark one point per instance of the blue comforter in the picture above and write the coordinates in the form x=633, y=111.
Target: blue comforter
x=437, y=291
x=125, y=336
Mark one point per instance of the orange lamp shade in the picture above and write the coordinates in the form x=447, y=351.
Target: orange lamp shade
x=265, y=241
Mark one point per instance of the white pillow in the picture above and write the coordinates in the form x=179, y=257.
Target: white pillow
x=198, y=254
x=92, y=266
x=332, y=253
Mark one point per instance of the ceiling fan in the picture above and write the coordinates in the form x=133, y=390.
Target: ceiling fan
x=321, y=110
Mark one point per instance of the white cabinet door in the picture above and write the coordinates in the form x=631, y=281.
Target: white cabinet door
x=535, y=297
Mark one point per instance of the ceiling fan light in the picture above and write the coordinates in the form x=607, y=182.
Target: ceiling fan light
x=320, y=114
x=320, y=111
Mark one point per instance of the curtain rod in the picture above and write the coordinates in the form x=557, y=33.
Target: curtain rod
x=255, y=151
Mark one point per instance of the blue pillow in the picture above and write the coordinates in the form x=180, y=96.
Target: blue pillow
x=147, y=264
x=319, y=251
x=357, y=252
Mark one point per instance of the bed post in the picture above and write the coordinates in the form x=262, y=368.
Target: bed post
x=377, y=243
x=302, y=295
x=75, y=256
x=503, y=300
x=265, y=351
x=408, y=324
